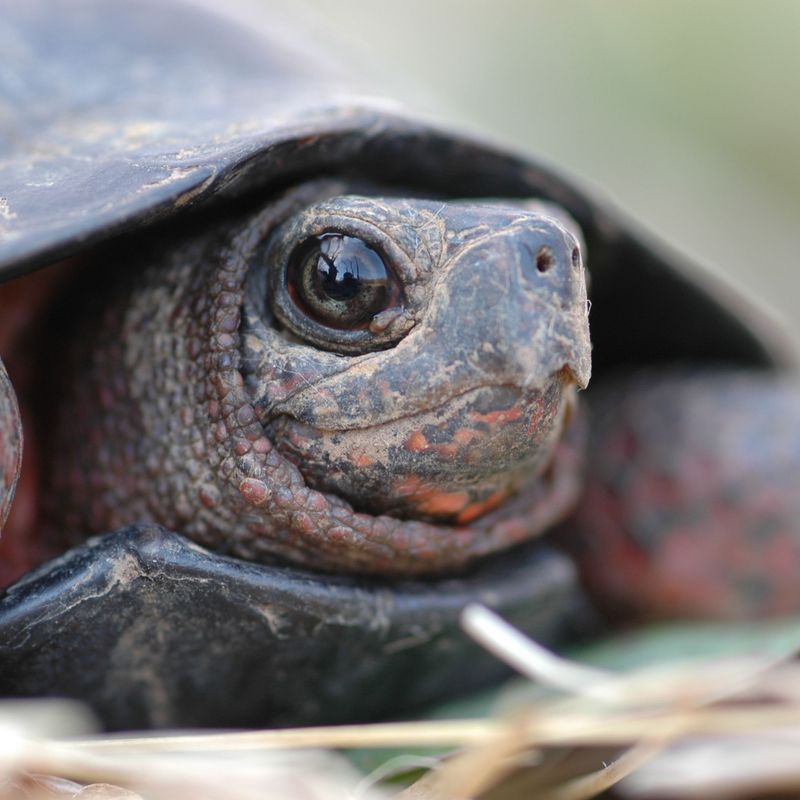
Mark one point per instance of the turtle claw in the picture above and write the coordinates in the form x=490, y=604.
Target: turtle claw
x=10, y=444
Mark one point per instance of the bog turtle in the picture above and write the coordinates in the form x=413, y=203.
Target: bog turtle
x=306, y=370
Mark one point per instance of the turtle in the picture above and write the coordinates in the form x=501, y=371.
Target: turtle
x=301, y=380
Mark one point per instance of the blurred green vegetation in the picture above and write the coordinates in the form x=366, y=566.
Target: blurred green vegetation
x=686, y=113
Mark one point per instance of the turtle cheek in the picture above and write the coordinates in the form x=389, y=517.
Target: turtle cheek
x=451, y=464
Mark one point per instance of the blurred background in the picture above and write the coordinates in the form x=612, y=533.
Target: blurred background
x=686, y=113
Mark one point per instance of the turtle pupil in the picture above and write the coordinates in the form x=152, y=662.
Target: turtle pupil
x=338, y=280
x=335, y=284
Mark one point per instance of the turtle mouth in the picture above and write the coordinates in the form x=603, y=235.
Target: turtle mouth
x=449, y=464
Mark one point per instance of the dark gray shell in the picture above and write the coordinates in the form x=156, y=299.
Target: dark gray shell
x=119, y=116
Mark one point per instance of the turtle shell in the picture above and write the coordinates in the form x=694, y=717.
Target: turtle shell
x=119, y=117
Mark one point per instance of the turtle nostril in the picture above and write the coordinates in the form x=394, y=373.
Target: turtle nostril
x=576, y=256
x=545, y=259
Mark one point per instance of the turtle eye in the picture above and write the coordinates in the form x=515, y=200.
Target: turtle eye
x=339, y=281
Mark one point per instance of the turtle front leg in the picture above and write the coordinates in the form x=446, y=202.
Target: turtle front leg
x=692, y=504
x=10, y=444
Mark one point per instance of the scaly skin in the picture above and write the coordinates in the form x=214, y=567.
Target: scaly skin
x=192, y=403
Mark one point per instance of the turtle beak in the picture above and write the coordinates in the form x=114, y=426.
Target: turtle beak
x=523, y=295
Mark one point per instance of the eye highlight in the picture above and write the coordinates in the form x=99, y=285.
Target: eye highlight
x=340, y=281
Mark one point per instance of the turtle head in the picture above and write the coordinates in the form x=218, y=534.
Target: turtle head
x=357, y=383
x=418, y=358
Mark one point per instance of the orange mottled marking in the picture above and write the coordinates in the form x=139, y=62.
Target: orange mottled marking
x=430, y=500
x=416, y=442
x=436, y=502
x=498, y=417
x=448, y=451
x=464, y=436
x=407, y=485
x=363, y=460
x=477, y=509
